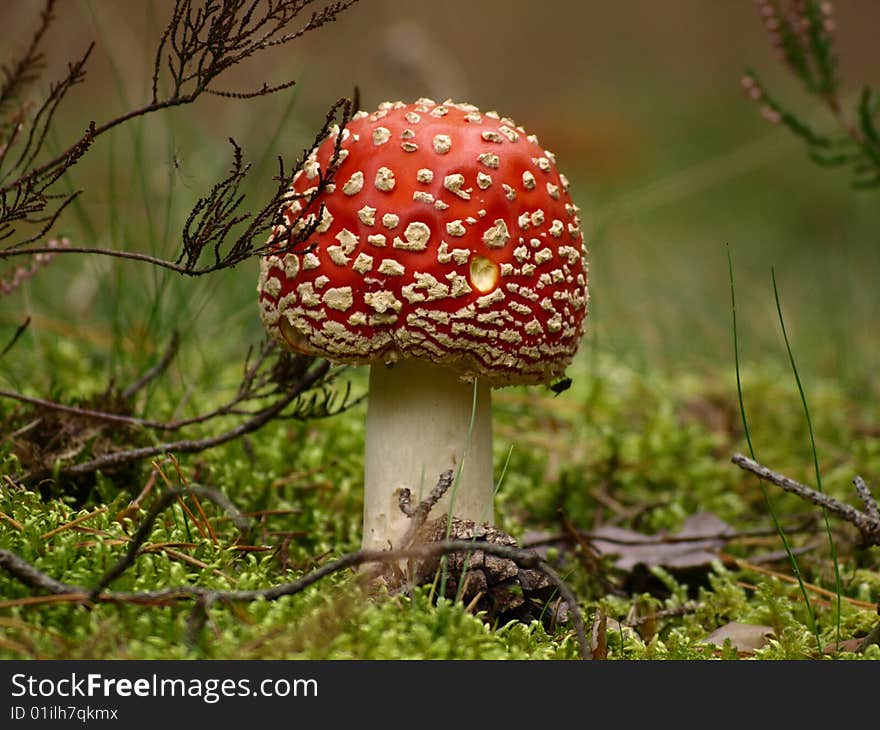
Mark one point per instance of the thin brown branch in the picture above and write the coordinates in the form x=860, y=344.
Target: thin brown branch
x=25, y=573
x=184, y=22
x=866, y=523
x=76, y=410
x=30, y=576
x=260, y=418
x=212, y=219
x=24, y=70
x=113, y=253
x=872, y=638
x=157, y=369
x=146, y=526
x=419, y=514
x=574, y=535
x=20, y=330
x=871, y=508
x=198, y=45
x=276, y=388
x=262, y=91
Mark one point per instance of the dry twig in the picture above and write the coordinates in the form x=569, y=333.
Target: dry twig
x=27, y=574
x=200, y=43
x=30, y=576
x=277, y=385
x=419, y=514
x=867, y=522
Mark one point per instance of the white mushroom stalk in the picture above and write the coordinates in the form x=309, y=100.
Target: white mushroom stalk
x=423, y=419
x=448, y=244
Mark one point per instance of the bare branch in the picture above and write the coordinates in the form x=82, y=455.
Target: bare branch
x=264, y=90
x=867, y=498
x=15, y=337
x=214, y=216
x=197, y=46
x=157, y=369
x=868, y=524
x=267, y=382
x=30, y=576
x=419, y=514
x=26, y=69
x=26, y=573
x=291, y=389
x=168, y=497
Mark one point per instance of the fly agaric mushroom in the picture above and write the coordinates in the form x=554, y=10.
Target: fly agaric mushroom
x=447, y=254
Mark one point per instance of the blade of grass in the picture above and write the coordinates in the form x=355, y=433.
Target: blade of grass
x=454, y=490
x=138, y=170
x=461, y=584
x=742, y=410
x=503, y=472
x=838, y=586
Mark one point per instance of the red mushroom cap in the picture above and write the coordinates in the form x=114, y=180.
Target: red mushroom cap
x=446, y=234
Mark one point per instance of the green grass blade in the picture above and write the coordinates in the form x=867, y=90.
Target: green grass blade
x=454, y=490
x=833, y=548
x=745, y=421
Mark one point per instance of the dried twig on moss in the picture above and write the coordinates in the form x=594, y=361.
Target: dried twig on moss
x=277, y=385
x=867, y=522
x=140, y=537
x=872, y=638
x=30, y=576
x=25, y=573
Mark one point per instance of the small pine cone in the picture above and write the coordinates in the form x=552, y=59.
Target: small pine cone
x=488, y=583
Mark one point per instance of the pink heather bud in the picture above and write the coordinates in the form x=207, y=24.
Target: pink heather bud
x=751, y=88
x=828, y=25
x=21, y=274
x=826, y=9
x=770, y=114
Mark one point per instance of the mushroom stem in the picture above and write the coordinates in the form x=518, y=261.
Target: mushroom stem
x=419, y=425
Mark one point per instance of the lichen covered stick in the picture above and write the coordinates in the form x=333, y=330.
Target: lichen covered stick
x=447, y=254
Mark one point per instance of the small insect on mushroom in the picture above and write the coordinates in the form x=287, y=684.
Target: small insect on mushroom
x=449, y=257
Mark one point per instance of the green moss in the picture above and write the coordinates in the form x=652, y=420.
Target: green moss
x=618, y=447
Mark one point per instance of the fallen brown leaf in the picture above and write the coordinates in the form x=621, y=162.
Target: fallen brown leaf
x=694, y=546
x=743, y=637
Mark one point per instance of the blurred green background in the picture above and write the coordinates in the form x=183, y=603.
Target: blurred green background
x=640, y=101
